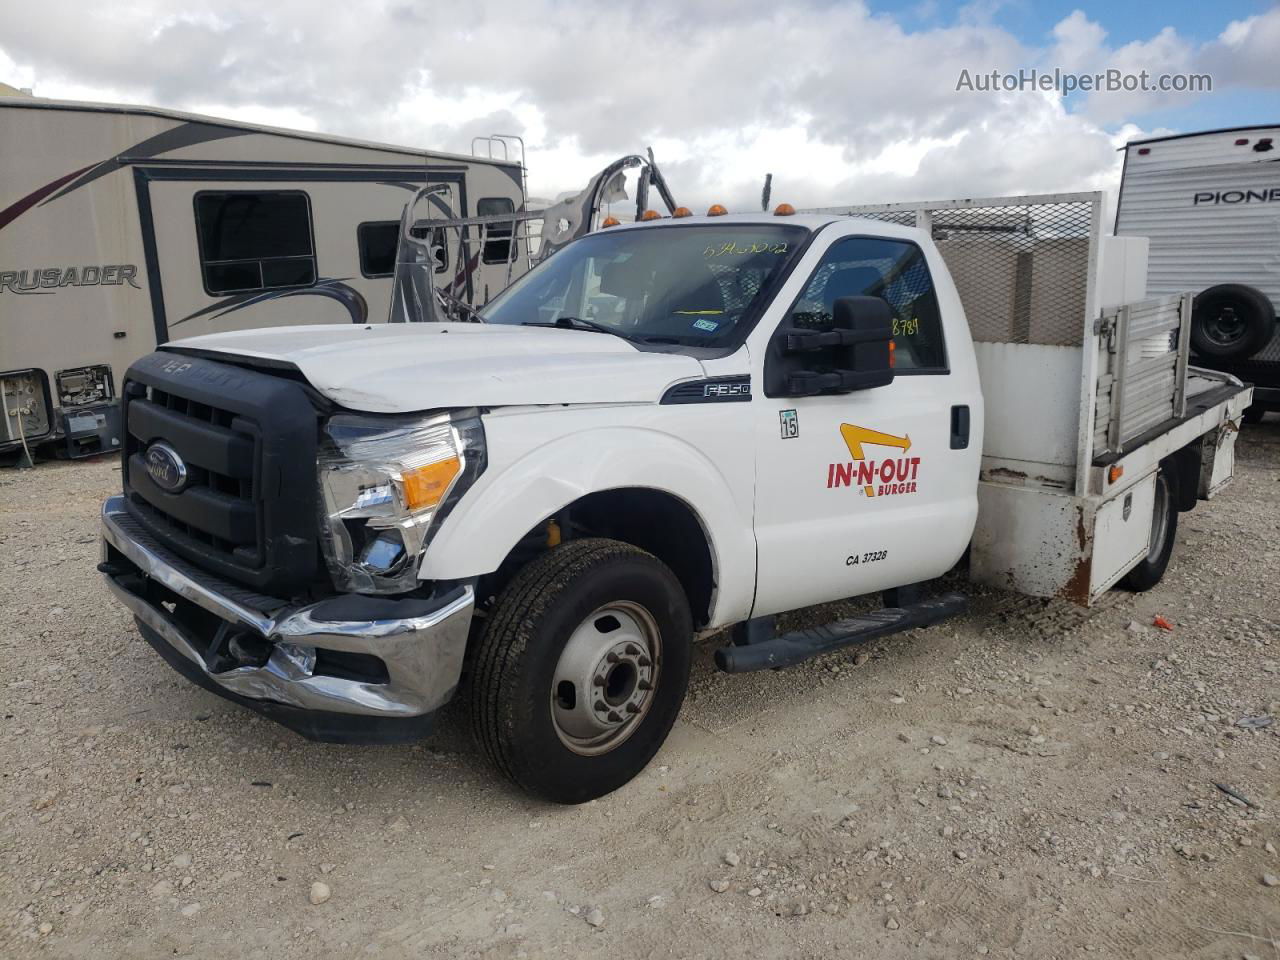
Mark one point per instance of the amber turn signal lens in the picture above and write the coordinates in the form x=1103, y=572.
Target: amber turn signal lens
x=716, y=210
x=682, y=212
x=651, y=215
x=783, y=210
x=425, y=486
x=1114, y=474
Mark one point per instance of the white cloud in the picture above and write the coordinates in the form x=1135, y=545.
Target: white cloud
x=840, y=104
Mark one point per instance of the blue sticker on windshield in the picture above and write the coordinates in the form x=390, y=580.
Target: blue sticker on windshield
x=710, y=326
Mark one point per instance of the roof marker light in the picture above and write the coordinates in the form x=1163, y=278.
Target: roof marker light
x=1143, y=151
x=651, y=215
x=783, y=210
x=610, y=221
x=1242, y=142
x=716, y=210
x=681, y=212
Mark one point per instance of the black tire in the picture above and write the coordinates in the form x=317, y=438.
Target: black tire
x=1254, y=413
x=520, y=648
x=1164, y=533
x=1231, y=322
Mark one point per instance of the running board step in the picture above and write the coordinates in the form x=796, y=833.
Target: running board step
x=791, y=648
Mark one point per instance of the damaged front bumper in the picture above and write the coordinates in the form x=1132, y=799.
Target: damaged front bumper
x=349, y=668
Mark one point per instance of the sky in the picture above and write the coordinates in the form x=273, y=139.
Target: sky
x=843, y=102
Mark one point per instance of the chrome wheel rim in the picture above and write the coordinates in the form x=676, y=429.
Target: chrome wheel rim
x=604, y=681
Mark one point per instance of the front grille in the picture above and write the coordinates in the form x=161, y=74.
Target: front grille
x=216, y=507
x=247, y=440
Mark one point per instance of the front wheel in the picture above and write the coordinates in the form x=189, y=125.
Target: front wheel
x=1164, y=531
x=581, y=669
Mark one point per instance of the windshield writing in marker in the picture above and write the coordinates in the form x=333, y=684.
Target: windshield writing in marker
x=733, y=249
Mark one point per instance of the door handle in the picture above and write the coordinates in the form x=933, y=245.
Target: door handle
x=960, y=427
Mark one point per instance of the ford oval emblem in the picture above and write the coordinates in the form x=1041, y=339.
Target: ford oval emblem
x=166, y=468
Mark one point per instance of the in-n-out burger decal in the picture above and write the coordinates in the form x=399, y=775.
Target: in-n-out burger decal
x=1271, y=195
x=52, y=279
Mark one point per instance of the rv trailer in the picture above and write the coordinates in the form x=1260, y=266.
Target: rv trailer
x=1210, y=204
x=124, y=227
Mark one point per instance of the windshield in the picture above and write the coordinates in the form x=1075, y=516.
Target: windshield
x=688, y=285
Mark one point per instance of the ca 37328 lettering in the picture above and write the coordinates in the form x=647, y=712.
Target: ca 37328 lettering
x=871, y=556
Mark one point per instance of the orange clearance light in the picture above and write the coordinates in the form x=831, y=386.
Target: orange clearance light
x=716, y=210
x=682, y=212
x=610, y=221
x=892, y=350
x=783, y=210
x=1115, y=473
x=651, y=215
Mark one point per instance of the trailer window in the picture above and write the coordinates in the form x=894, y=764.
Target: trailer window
x=497, y=248
x=893, y=270
x=377, y=242
x=252, y=240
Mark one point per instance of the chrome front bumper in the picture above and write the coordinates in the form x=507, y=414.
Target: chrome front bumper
x=422, y=650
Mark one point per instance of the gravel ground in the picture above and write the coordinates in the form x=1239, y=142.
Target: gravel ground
x=1026, y=781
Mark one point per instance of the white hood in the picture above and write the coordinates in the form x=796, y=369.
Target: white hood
x=401, y=368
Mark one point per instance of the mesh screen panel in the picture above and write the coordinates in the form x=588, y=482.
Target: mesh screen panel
x=1021, y=268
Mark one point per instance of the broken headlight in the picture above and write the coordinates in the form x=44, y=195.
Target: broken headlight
x=384, y=482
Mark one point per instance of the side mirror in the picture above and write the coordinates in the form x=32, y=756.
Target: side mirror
x=854, y=354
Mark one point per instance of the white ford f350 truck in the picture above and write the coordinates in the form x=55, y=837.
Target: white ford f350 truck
x=665, y=429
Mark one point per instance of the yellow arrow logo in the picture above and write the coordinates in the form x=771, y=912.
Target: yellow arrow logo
x=855, y=437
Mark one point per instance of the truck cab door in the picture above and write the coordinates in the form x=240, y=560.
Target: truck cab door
x=865, y=489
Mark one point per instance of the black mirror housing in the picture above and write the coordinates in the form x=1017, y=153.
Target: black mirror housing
x=854, y=354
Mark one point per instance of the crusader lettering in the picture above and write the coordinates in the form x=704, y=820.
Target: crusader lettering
x=52, y=279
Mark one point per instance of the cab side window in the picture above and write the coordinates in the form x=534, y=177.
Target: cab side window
x=896, y=272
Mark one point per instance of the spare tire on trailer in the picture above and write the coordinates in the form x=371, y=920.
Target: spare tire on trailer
x=1231, y=322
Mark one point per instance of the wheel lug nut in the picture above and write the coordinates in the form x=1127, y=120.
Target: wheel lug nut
x=632, y=650
x=645, y=662
x=632, y=708
x=612, y=658
x=644, y=685
x=598, y=682
x=600, y=706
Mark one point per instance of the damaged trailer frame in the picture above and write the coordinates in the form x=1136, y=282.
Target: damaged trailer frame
x=516, y=242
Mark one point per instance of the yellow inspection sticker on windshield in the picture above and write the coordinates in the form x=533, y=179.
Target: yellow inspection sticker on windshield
x=733, y=249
